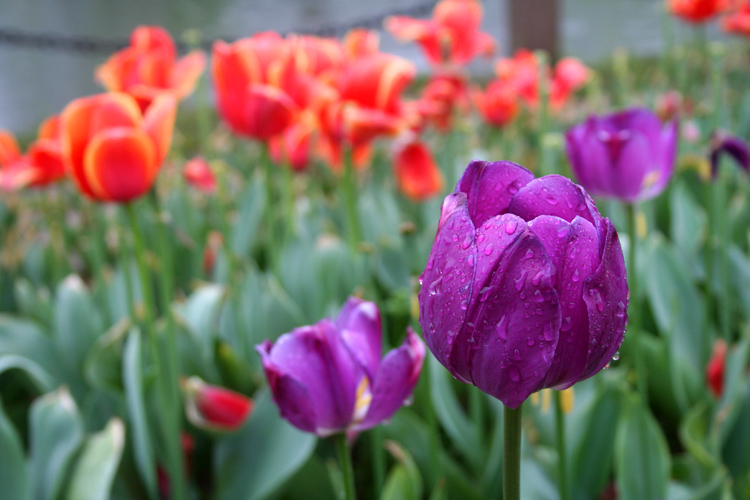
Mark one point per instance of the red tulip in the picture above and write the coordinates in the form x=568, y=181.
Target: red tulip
x=293, y=146
x=251, y=79
x=440, y=98
x=417, y=174
x=41, y=165
x=452, y=36
x=715, y=368
x=215, y=408
x=738, y=21
x=197, y=172
x=112, y=150
x=149, y=67
x=361, y=42
x=498, y=105
x=696, y=11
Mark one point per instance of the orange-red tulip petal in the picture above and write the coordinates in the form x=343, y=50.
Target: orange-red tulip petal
x=417, y=174
x=696, y=11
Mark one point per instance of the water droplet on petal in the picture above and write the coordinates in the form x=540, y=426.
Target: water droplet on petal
x=502, y=328
x=549, y=333
x=530, y=341
x=515, y=374
x=576, y=276
x=616, y=357
x=489, y=249
x=510, y=227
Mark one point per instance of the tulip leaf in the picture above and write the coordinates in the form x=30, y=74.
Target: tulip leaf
x=14, y=474
x=201, y=314
x=117, y=299
x=43, y=380
x=688, y=226
x=56, y=434
x=103, y=364
x=77, y=322
x=245, y=229
x=34, y=303
x=255, y=461
x=592, y=452
x=24, y=339
x=132, y=377
x=680, y=316
x=404, y=481
x=312, y=481
x=535, y=484
x=641, y=453
x=449, y=412
x=735, y=381
x=735, y=451
x=96, y=467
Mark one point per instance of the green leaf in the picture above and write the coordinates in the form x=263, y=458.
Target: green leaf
x=14, y=475
x=693, y=432
x=642, y=455
x=56, y=433
x=33, y=302
x=254, y=462
x=43, y=380
x=404, y=482
x=592, y=453
x=103, y=364
x=450, y=414
x=535, y=484
x=201, y=315
x=132, y=377
x=680, y=316
x=77, y=321
x=25, y=339
x=735, y=451
x=96, y=467
x=245, y=229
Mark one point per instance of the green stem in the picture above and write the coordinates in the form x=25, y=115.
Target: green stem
x=512, y=454
x=271, y=248
x=378, y=460
x=288, y=180
x=169, y=412
x=633, y=327
x=345, y=462
x=350, y=199
x=542, y=76
x=476, y=411
x=562, y=472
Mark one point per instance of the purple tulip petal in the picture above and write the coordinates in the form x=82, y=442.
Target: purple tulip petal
x=447, y=280
x=295, y=403
x=489, y=187
x=511, y=331
x=637, y=166
x=722, y=143
x=606, y=294
x=359, y=324
x=395, y=380
x=575, y=146
x=317, y=358
x=554, y=195
x=574, y=250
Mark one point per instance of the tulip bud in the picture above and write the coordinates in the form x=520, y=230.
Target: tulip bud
x=214, y=408
x=197, y=173
x=715, y=368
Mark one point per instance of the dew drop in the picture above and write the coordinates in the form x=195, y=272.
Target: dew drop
x=488, y=250
x=549, y=334
x=530, y=341
x=537, y=279
x=515, y=374
x=563, y=231
x=516, y=354
x=480, y=238
x=464, y=305
x=576, y=276
x=502, y=328
x=620, y=310
x=616, y=357
x=510, y=227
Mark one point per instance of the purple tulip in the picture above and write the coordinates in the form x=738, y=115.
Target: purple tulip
x=626, y=155
x=329, y=378
x=525, y=286
x=722, y=143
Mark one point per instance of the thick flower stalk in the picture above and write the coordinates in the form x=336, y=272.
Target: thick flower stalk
x=329, y=378
x=627, y=155
x=525, y=286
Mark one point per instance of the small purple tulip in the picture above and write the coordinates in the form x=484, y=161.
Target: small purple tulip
x=723, y=143
x=328, y=377
x=525, y=286
x=626, y=155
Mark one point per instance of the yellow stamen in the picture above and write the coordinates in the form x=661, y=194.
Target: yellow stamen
x=364, y=397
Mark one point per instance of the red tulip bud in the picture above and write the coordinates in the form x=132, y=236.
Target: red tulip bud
x=214, y=408
x=715, y=368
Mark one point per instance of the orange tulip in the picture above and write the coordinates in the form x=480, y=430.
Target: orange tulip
x=452, y=36
x=41, y=165
x=149, y=67
x=251, y=79
x=738, y=21
x=417, y=174
x=112, y=150
x=498, y=105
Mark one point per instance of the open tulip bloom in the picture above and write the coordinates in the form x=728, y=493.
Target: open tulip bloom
x=328, y=378
x=627, y=155
x=525, y=285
